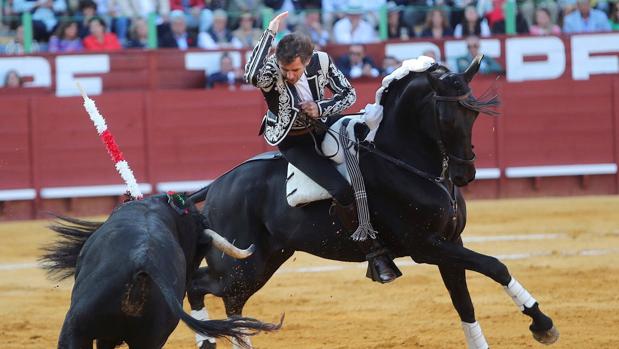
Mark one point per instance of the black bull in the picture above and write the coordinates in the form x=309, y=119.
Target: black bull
x=131, y=273
x=422, y=153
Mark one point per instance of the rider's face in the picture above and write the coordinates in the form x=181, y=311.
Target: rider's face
x=293, y=71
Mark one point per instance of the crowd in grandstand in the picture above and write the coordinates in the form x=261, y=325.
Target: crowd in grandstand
x=109, y=25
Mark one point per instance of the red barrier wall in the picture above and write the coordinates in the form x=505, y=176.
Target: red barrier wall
x=176, y=135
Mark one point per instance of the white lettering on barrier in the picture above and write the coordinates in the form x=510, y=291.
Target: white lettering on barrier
x=516, y=49
x=410, y=50
x=455, y=49
x=68, y=66
x=583, y=65
x=209, y=61
x=36, y=67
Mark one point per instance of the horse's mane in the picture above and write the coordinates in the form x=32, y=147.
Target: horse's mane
x=398, y=86
x=486, y=103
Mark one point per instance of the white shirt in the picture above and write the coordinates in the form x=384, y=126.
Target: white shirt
x=363, y=34
x=303, y=89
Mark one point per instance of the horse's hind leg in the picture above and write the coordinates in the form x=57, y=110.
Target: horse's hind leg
x=436, y=250
x=455, y=281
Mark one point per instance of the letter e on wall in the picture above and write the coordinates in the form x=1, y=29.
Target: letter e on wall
x=69, y=66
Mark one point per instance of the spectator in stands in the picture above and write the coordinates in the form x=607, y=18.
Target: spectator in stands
x=228, y=74
x=352, y=29
x=16, y=45
x=237, y=8
x=100, y=39
x=219, y=36
x=528, y=9
x=585, y=19
x=488, y=64
x=494, y=12
x=123, y=11
x=437, y=25
x=12, y=79
x=390, y=63
x=43, y=13
x=177, y=36
x=432, y=54
x=543, y=24
x=247, y=34
x=472, y=24
x=88, y=10
x=312, y=27
x=356, y=64
x=614, y=17
x=396, y=28
x=292, y=6
x=138, y=34
x=197, y=15
x=414, y=14
x=66, y=38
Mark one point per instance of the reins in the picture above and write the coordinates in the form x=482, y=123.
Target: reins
x=370, y=147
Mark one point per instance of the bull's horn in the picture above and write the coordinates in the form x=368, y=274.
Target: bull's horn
x=222, y=244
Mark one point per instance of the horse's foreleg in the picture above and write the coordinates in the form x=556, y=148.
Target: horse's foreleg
x=201, y=284
x=455, y=281
x=436, y=250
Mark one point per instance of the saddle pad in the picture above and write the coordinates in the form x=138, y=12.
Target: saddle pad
x=300, y=189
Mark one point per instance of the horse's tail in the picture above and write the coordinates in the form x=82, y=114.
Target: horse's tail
x=60, y=258
x=236, y=328
x=200, y=195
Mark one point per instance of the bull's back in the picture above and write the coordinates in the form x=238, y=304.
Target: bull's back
x=114, y=294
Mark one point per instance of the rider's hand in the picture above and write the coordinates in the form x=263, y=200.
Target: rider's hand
x=275, y=22
x=310, y=108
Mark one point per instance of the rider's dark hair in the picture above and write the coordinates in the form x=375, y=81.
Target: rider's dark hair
x=292, y=46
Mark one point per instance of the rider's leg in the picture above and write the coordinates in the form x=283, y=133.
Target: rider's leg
x=380, y=266
x=299, y=150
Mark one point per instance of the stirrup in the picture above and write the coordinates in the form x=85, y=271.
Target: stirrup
x=390, y=271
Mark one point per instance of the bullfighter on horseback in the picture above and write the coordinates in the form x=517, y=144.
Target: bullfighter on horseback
x=293, y=82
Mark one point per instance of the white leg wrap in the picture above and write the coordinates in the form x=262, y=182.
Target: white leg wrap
x=474, y=337
x=236, y=345
x=519, y=294
x=201, y=315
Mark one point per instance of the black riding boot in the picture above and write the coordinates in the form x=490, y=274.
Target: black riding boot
x=380, y=265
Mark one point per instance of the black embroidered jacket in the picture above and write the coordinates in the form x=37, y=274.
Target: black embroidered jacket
x=281, y=97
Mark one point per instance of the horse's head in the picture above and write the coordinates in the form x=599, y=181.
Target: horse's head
x=455, y=111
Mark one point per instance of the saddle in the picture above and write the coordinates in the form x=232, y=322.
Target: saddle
x=300, y=189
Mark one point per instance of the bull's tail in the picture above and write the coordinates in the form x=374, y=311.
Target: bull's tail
x=234, y=328
x=59, y=258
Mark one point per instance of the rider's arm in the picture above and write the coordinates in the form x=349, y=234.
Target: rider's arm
x=261, y=69
x=343, y=93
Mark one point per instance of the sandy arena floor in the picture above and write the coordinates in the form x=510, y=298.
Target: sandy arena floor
x=573, y=271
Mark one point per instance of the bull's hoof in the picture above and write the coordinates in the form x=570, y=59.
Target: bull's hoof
x=547, y=337
x=208, y=345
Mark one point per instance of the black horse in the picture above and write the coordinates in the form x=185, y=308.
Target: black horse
x=421, y=154
x=131, y=273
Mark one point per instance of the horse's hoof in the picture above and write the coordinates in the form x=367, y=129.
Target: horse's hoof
x=547, y=337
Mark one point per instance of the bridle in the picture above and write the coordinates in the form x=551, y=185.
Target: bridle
x=445, y=153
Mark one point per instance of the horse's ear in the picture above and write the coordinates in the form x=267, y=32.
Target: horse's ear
x=470, y=72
